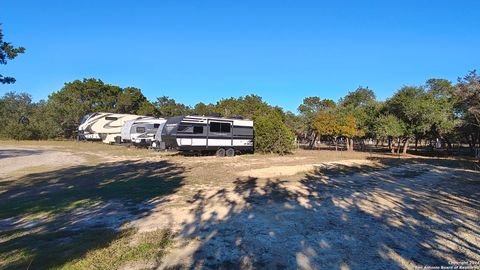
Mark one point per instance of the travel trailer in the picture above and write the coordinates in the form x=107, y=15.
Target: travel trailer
x=141, y=132
x=104, y=126
x=224, y=136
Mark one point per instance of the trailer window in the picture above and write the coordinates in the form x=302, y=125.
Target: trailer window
x=220, y=127
x=185, y=129
x=214, y=127
x=225, y=127
x=198, y=129
x=140, y=129
x=111, y=118
x=156, y=125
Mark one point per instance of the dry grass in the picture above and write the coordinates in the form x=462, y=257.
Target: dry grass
x=307, y=209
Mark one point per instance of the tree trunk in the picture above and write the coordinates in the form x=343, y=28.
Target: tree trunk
x=335, y=142
x=405, y=145
x=390, y=141
x=312, y=142
x=416, y=144
x=449, y=146
x=391, y=145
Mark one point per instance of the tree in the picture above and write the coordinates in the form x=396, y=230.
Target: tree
x=129, y=100
x=347, y=127
x=15, y=113
x=295, y=124
x=272, y=135
x=361, y=97
x=7, y=52
x=247, y=106
x=203, y=109
x=362, y=103
x=67, y=106
x=168, y=107
x=389, y=127
x=147, y=108
x=416, y=109
x=308, y=111
x=467, y=91
x=440, y=94
x=326, y=124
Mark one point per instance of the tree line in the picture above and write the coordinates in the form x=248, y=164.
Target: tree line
x=59, y=116
x=438, y=109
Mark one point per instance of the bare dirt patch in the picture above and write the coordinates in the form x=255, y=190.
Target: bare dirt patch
x=16, y=159
x=383, y=218
x=309, y=210
x=288, y=170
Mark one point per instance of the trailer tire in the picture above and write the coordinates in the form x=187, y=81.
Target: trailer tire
x=220, y=152
x=230, y=152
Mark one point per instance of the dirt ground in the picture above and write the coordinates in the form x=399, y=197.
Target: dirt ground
x=309, y=210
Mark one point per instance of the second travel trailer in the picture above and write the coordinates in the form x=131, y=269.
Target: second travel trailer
x=104, y=126
x=141, y=132
x=224, y=136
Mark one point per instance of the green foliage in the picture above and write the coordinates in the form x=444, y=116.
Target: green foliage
x=130, y=100
x=167, y=107
x=272, y=135
x=389, y=126
x=65, y=108
x=468, y=98
x=308, y=110
x=361, y=97
x=440, y=94
x=248, y=106
x=7, y=52
x=15, y=113
x=414, y=107
x=294, y=123
x=362, y=104
x=203, y=109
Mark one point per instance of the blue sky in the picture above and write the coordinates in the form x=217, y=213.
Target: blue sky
x=206, y=50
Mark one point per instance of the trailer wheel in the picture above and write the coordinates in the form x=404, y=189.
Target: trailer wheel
x=220, y=152
x=230, y=152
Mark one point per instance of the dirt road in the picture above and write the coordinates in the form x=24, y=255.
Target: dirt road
x=15, y=159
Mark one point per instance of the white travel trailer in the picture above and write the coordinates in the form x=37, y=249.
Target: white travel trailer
x=103, y=126
x=224, y=136
x=141, y=132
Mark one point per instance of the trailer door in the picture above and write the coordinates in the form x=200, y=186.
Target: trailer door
x=219, y=133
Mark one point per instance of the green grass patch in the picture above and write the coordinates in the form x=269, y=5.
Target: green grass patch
x=88, y=249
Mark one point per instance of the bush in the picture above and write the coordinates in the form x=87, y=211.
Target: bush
x=272, y=135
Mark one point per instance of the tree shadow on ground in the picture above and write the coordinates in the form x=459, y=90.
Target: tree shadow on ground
x=48, y=219
x=362, y=217
x=12, y=153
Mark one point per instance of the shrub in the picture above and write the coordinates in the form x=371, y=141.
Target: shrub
x=272, y=135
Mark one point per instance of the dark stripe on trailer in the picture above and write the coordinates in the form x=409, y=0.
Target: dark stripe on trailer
x=214, y=148
x=201, y=136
